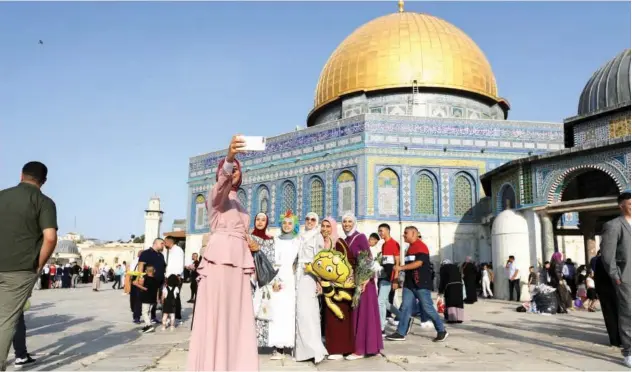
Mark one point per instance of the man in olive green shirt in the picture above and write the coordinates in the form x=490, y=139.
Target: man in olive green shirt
x=28, y=227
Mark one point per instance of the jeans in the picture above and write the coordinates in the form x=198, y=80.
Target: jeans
x=425, y=300
x=384, y=289
x=19, y=339
x=514, y=285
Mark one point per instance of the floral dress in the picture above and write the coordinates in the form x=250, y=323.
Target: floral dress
x=263, y=326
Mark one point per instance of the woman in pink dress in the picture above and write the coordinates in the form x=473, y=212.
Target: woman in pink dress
x=224, y=336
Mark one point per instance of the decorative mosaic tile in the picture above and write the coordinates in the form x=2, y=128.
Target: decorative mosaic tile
x=550, y=175
x=602, y=128
x=445, y=193
x=299, y=198
x=273, y=202
x=406, y=190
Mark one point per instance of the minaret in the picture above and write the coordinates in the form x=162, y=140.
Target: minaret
x=153, y=220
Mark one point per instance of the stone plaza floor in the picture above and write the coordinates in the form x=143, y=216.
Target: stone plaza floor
x=78, y=329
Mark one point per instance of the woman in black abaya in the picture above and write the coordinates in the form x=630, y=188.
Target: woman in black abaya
x=469, y=278
x=451, y=288
x=608, y=301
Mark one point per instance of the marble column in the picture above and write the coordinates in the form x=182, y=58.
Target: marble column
x=548, y=236
x=587, y=224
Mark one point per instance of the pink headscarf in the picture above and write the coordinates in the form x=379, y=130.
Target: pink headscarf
x=334, y=230
x=557, y=257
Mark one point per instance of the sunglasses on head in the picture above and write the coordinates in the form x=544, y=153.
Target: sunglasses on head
x=312, y=219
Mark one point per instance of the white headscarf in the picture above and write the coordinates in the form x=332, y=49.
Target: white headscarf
x=355, y=223
x=308, y=234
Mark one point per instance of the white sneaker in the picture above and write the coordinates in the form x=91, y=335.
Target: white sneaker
x=626, y=361
x=427, y=325
x=335, y=357
x=354, y=357
x=393, y=322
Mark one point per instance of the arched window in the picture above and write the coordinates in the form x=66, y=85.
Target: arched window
x=346, y=190
x=243, y=199
x=507, y=198
x=463, y=198
x=424, y=195
x=201, y=214
x=388, y=193
x=288, y=197
x=317, y=197
x=263, y=200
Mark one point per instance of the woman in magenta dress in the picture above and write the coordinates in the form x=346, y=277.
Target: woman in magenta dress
x=224, y=336
x=366, y=316
x=339, y=333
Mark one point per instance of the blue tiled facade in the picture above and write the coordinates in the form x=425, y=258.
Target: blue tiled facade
x=366, y=144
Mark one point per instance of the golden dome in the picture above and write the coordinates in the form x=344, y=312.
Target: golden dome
x=393, y=50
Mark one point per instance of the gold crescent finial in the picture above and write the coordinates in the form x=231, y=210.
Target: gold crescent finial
x=400, y=3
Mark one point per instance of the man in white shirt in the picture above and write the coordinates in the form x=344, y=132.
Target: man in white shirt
x=513, y=274
x=174, y=259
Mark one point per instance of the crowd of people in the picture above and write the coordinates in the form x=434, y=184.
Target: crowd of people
x=305, y=307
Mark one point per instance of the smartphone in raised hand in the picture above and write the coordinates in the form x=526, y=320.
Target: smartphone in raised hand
x=254, y=143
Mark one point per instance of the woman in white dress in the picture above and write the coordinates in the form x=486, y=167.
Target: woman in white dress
x=309, y=343
x=283, y=297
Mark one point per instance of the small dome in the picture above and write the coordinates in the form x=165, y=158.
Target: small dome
x=609, y=86
x=66, y=247
x=509, y=222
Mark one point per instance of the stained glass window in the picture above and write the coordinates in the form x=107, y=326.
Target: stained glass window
x=264, y=200
x=201, y=214
x=463, y=200
x=243, y=199
x=317, y=203
x=288, y=195
x=346, y=193
x=388, y=193
x=424, y=195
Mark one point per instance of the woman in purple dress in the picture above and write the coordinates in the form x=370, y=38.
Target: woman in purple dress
x=366, y=316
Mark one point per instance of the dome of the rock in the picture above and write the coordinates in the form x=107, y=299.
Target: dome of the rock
x=397, y=49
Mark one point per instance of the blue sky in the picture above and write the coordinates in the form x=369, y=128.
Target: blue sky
x=122, y=94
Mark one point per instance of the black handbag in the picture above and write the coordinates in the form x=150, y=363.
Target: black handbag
x=264, y=269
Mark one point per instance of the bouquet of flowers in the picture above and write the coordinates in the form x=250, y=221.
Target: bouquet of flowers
x=364, y=271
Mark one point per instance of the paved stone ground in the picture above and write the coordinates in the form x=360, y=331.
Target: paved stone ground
x=77, y=329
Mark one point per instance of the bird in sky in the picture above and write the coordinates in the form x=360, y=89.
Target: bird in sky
x=41, y=42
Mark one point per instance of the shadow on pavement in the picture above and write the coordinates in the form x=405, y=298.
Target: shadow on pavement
x=495, y=332
x=40, y=325
x=72, y=348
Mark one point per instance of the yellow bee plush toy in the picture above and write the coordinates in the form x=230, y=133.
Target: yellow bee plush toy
x=334, y=271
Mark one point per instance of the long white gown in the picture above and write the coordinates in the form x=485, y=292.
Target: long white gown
x=309, y=343
x=283, y=303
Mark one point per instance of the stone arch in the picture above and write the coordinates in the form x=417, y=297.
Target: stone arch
x=507, y=190
x=563, y=179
